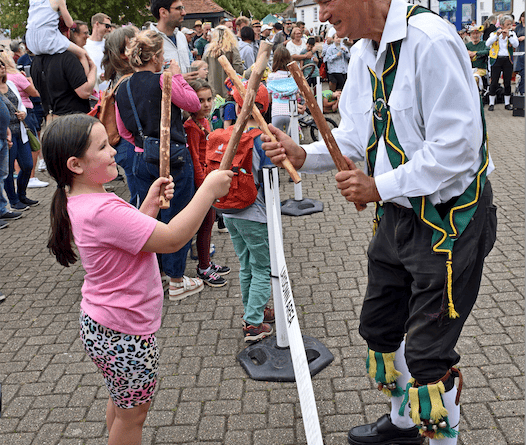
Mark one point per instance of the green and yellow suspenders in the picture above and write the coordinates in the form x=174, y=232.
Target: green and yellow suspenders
x=445, y=230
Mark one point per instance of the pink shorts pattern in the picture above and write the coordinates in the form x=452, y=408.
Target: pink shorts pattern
x=129, y=363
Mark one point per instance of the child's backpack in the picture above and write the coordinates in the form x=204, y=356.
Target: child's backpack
x=217, y=118
x=104, y=110
x=243, y=190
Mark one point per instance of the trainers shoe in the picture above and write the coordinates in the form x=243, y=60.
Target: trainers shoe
x=268, y=316
x=508, y=107
x=36, y=183
x=3, y=224
x=221, y=228
x=211, y=278
x=11, y=216
x=491, y=108
x=256, y=333
x=41, y=166
x=220, y=270
x=189, y=286
x=29, y=202
x=19, y=206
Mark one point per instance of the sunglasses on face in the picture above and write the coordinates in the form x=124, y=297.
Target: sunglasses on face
x=179, y=8
x=107, y=25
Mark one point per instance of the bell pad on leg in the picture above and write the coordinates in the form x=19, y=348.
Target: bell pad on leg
x=380, y=367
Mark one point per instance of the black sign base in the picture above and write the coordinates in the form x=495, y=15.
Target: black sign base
x=306, y=206
x=267, y=362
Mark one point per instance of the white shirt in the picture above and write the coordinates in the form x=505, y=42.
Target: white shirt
x=179, y=53
x=435, y=112
x=503, y=42
x=295, y=49
x=96, y=52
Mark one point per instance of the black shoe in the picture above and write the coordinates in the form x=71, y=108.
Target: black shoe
x=29, y=202
x=20, y=206
x=11, y=216
x=508, y=107
x=491, y=108
x=383, y=432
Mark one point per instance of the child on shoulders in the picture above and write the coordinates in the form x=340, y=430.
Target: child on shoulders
x=43, y=35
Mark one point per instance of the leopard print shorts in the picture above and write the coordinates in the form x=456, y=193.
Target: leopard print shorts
x=129, y=363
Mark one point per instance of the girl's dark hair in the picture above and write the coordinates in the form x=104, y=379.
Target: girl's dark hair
x=199, y=84
x=281, y=58
x=63, y=138
x=247, y=33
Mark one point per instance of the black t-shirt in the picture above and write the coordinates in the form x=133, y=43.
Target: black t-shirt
x=56, y=78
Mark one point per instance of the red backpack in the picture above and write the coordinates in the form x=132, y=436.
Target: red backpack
x=243, y=190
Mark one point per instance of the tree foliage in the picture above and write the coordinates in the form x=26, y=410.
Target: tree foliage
x=13, y=13
x=256, y=8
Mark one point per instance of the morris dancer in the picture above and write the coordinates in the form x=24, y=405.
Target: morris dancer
x=421, y=134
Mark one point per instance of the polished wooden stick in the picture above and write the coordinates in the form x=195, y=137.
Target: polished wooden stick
x=229, y=70
x=321, y=123
x=164, y=144
x=246, y=111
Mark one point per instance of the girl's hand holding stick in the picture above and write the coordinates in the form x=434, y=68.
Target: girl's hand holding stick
x=164, y=144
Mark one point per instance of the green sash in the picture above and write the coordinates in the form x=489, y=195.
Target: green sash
x=445, y=230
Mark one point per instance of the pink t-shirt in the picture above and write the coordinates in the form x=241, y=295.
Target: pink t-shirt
x=122, y=287
x=21, y=83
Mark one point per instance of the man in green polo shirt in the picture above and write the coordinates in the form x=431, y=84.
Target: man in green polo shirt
x=478, y=53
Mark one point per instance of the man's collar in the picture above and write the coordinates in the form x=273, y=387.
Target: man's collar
x=155, y=27
x=395, y=25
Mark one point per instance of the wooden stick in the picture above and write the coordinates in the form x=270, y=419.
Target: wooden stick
x=164, y=144
x=321, y=123
x=229, y=70
x=253, y=84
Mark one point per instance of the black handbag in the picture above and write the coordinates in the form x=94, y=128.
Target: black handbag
x=150, y=145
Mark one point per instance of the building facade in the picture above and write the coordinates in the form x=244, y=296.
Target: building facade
x=460, y=13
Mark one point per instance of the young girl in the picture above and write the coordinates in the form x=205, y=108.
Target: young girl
x=197, y=130
x=282, y=88
x=43, y=35
x=122, y=294
x=201, y=67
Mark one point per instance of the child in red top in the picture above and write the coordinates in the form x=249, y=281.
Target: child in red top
x=197, y=130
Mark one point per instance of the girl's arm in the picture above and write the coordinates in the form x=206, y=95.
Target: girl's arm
x=121, y=128
x=171, y=237
x=30, y=89
x=65, y=13
x=183, y=95
x=193, y=138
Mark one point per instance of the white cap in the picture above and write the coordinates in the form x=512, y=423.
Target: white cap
x=265, y=27
x=187, y=31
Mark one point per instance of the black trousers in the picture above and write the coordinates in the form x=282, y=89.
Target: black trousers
x=502, y=65
x=405, y=292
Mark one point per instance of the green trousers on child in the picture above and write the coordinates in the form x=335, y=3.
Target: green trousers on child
x=250, y=241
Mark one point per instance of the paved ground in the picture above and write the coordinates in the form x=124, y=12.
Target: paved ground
x=53, y=394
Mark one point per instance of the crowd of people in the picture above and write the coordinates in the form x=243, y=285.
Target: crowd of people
x=67, y=75
x=497, y=49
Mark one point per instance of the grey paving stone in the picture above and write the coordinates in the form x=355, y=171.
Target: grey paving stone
x=53, y=394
